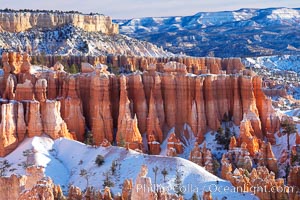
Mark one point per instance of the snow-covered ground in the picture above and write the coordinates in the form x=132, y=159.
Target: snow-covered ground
x=279, y=62
x=284, y=69
x=63, y=159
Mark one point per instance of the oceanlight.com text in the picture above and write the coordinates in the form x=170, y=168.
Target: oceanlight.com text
x=213, y=188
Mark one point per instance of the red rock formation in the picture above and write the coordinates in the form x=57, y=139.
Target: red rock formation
x=185, y=92
x=174, y=98
x=196, y=155
x=26, y=70
x=249, y=104
x=153, y=144
x=34, y=174
x=174, y=145
x=211, y=107
x=127, y=125
x=52, y=89
x=232, y=65
x=8, y=129
x=159, y=102
x=201, y=113
x=106, y=194
x=207, y=195
x=154, y=132
x=194, y=119
x=168, y=86
x=232, y=144
x=115, y=99
x=267, y=158
x=87, y=68
x=226, y=170
x=53, y=124
x=21, y=125
x=58, y=66
x=293, y=178
x=297, y=138
x=74, y=193
x=208, y=161
x=247, y=136
x=213, y=64
x=243, y=159
x=153, y=125
x=71, y=111
x=11, y=187
x=8, y=92
x=105, y=143
x=100, y=108
x=24, y=91
x=126, y=190
x=15, y=187
x=12, y=62
x=35, y=125
x=44, y=188
x=237, y=110
x=269, y=118
x=41, y=90
x=194, y=65
x=139, y=194
x=137, y=95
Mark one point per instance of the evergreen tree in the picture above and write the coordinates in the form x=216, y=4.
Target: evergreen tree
x=122, y=142
x=89, y=139
x=113, y=167
x=178, y=183
x=289, y=128
x=4, y=165
x=73, y=69
x=164, y=172
x=99, y=160
x=107, y=181
x=195, y=196
x=223, y=138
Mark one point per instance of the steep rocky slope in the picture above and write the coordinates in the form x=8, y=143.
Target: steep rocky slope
x=71, y=40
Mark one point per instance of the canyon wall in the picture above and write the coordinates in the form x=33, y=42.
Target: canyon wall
x=14, y=21
x=123, y=108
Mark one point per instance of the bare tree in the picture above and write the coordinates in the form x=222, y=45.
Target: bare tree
x=85, y=174
x=155, y=170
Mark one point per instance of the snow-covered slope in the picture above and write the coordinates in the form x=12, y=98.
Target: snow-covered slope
x=70, y=40
x=281, y=62
x=245, y=32
x=285, y=69
x=63, y=159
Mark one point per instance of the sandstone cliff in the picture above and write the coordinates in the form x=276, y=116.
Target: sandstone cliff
x=17, y=21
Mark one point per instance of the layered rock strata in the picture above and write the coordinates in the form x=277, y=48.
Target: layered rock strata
x=122, y=108
x=17, y=21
